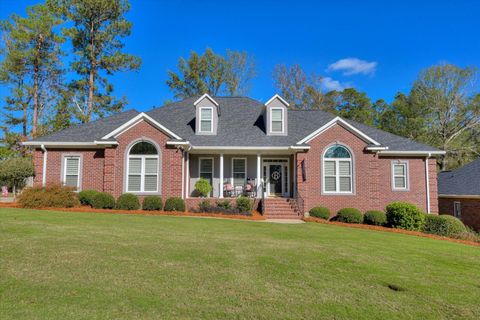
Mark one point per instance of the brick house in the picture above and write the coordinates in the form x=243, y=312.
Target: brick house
x=459, y=194
x=288, y=160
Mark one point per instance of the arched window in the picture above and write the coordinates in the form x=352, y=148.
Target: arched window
x=337, y=170
x=142, y=168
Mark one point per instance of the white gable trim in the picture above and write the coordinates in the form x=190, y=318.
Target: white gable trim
x=343, y=123
x=203, y=97
x=134, y=121
x=276, y=96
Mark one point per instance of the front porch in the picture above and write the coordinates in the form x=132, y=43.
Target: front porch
x=232, y=175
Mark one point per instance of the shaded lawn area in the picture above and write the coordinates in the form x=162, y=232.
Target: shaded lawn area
x=62, y=265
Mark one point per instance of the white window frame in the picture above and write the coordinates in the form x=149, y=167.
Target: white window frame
x=271, y=119
x=457, y=211
x=337, y=173
x=142, y=172
x=65, y=158
x=200, y=119
x=406, y=176
x=233, y=172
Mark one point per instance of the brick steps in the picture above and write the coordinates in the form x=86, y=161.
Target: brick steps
x=281, y=208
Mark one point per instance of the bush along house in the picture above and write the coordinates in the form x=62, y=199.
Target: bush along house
x=288, y=160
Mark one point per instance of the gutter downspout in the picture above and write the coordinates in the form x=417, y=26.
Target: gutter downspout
x=427, y=182
x=44, y=173
x=183, y=174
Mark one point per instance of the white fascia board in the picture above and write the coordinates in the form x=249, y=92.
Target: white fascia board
x=206, y=95
x=137, y=118
x=300, y=147
x=237, y=148
x=94, y=144
x=177, y=142
x=376, y=148
x=277, y=96
x=411, y=153
x=345, y=124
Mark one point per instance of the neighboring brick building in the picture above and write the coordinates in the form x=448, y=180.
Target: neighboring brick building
x=459, y=194
x=290, y=160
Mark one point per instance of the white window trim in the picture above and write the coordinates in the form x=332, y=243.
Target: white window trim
x=457, y=213
x=142, y=172
x=200, y=119
x=337, y=173
x=65, y=158
x=233, y=173
x=407, y=175
x=283, y=120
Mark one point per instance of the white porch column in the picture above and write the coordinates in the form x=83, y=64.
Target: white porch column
x=183, y=174
x=221, y=176
x=259, y=176
x=187, y=175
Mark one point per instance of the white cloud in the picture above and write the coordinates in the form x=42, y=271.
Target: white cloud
x=330, y=84
x=351, y=66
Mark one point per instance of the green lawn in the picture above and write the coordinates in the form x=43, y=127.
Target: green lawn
x=57, y=265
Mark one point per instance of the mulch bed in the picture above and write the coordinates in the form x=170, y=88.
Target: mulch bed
x=378, y=228
x=255, y=215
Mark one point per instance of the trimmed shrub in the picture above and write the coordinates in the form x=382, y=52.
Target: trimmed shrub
x=443, y=225
x=174, y=204
x=103, y=200
x=375, y=218
x=56, y=196
x=349, y=215
x=320, y=212
x=204, y=206
x=244, y=204
x=86, y=197
x=203, y=187
x=151, y=203
x=128, y=201
x=224, y=204
x=405, y=216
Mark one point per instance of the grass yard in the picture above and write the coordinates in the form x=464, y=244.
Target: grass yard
x=67, y=265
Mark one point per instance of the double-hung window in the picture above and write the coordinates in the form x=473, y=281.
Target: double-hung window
x=206, y=169
x=142, y=169
x=276, y=120
x=71, y=176
x=206, y=119
x=400, y=176
x=337, y=170
x=457, y=209
x=239, y=171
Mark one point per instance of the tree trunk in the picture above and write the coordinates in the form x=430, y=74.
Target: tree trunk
x=91, y=80
x=24, y=120
x=90, y=95
x=36, y=75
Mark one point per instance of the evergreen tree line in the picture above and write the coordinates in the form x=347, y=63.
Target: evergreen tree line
x=442, y=108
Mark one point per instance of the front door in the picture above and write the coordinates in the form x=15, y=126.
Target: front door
x=275, y=179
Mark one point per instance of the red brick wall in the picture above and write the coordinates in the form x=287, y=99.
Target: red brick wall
x=92, y=166
x=470, y=210
x=171, y=160
x=372, y=177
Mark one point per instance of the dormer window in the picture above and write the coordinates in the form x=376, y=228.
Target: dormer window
x=276, y=116
x=207, y=112
x=277, y=124
x=206, y=119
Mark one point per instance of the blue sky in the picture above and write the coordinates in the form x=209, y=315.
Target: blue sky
x=375, y=46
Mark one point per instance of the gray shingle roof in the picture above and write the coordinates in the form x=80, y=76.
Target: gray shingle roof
x=462, y=181
x=240, y=124
x=89, y=132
